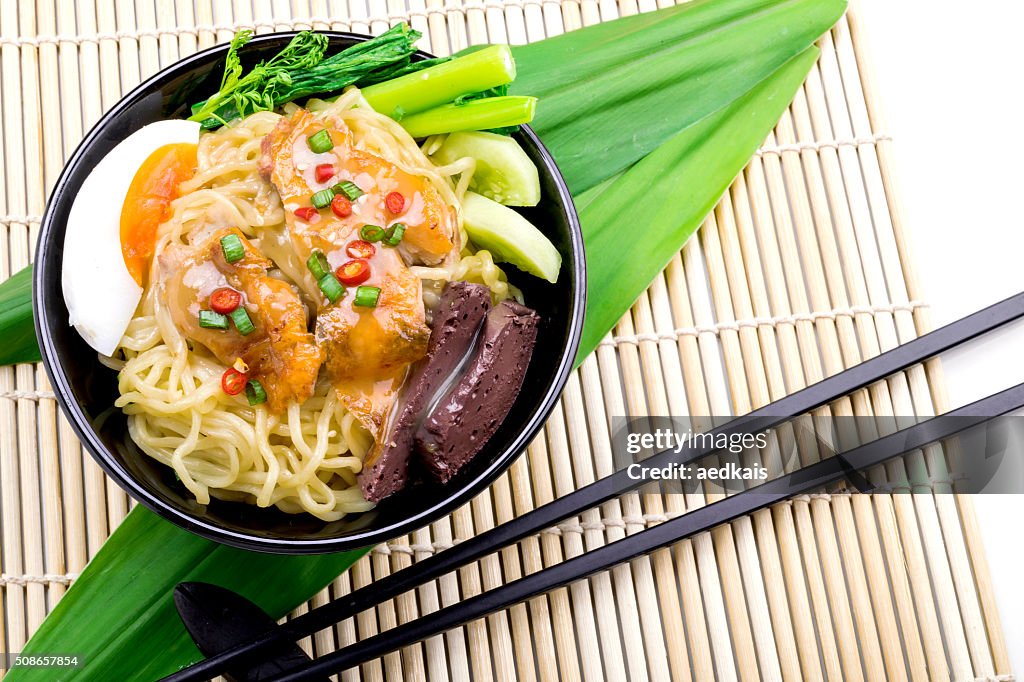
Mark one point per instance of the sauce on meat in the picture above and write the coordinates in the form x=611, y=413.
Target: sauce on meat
x=367, y=351
x=280, y=352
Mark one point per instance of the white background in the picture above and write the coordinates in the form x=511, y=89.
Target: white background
x=950, y=78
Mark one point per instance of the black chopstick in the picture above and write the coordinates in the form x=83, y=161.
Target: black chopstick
x=595, y=494
x=804, y=480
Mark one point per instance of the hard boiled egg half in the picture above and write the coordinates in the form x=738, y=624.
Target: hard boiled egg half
x=111, y=229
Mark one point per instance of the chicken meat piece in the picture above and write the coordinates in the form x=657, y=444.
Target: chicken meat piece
x=367, y=350
x=281, y=352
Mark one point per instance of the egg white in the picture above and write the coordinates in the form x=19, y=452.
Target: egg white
x=100, y=293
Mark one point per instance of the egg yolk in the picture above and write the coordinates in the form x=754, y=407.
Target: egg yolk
x=148, y=202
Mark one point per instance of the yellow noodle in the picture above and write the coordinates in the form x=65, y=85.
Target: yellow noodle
x=306, y=459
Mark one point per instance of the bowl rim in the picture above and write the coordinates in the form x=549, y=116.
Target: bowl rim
x=65, y=395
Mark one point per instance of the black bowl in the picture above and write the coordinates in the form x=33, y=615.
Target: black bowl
x=87, y=390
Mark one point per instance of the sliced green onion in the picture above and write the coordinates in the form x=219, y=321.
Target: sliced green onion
x=317, y=264
x=366, y=297
x=349, y=189
x=242, y=322
x=232, y=247
x=255, y=392
x=323, y=198
x=211, y=319
x=332, y=288
x=393, y=237
x=372, y=233
x=320, y=142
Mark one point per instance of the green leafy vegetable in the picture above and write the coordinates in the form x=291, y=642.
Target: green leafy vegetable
x=301, y=69
x=381, y=58
x=256, y=91
x=382, y=66
x=396, y=71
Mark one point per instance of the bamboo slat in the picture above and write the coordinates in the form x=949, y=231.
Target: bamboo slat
x=802, y=270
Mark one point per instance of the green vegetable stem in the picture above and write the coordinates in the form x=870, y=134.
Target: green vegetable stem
x=474, y=72
x=478, y=114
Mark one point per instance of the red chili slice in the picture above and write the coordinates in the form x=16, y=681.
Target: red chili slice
x=324, y=172
x=224, y=300
x=233, y=382
x=307, y=213
x=395, y=202
x=341, y=206
x=353, y=272
x=360, y=249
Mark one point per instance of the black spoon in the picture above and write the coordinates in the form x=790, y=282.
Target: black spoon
x=219, y=619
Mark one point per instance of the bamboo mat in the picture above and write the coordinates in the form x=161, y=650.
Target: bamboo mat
x=803, y=269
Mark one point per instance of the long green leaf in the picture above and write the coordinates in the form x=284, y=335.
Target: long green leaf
x=635, y=82
x=119, y=617
x=633, y=225
x=16, y=329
